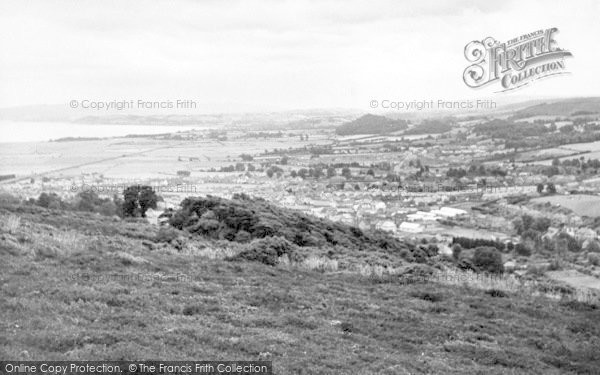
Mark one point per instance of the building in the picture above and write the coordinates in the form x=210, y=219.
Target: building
x=410, y=227
x=387, y=226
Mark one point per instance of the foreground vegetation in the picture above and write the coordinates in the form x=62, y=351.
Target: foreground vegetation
x=79, y=285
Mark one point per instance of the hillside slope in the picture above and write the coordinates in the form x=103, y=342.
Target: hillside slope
x=82, y=286
x=563, y=107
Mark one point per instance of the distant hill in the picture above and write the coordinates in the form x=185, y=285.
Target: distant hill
x=565, y=107
x=371, y=124
x=431, y=127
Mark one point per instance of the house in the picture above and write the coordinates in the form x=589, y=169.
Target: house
x=387, y=226
x=410, y=227
x=450, y=212
x=421, y=216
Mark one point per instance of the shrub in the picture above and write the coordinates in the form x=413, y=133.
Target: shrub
x=266, y=250
x=432, y=250
x=166, y=234
x=593, y=247
x=555, y=265
x=420, y=255
x=523, y=249
x=536, y=270
x=594, y=259
x=243, y=236
x=428, y=296
x=572, y=244
x=488, y=259
x=470, y=243
x=496, y=293
x=407, y=255
x=456, y=250
x=466, y=265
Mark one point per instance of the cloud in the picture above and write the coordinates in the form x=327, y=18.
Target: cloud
x=279, y=54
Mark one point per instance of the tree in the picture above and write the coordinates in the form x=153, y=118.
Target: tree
x=318, y=172
x=567, y=129
x=550, y=188
x=138, y=199
x=370, y=172
x=331, y=172
x=488, y=259
x=524, y=249
x=284, y=160
x=270, y=172
x=456, y=250
x=346, y=172
x=51, y=201
x=572, y=244
x=540, y=188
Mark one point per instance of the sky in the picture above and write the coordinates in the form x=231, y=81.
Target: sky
x=247, y=55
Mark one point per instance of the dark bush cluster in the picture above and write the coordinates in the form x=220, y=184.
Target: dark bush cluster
x=471, y=243
x=488, y=259
x=85, y=201
x=244, y=219
x=267, y=250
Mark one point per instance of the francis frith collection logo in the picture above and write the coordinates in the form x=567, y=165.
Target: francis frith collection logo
x=514, y=63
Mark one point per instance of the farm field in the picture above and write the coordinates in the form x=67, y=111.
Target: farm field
x=592, y=150
x=582, y=205
x=134, y=157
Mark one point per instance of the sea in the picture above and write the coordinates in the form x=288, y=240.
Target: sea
x=25, y=131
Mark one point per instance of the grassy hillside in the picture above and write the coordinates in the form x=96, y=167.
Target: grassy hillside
x=564, y=107
x=82, y=286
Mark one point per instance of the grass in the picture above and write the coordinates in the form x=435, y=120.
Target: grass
x=116, y=299
x=10, y=223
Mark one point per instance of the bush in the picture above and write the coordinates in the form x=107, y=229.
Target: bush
x=166, y=234
x=523, y=249
x=456, y=250
x=243, y=236
x=488, y=259
x=593, y=247
x=266, y=250
x=420, y=255
x=466, y=265
x=555, y=265
x=428, y=296
x=470, y=243
x=594, y=259
x=572, y=244
x=496, y=293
